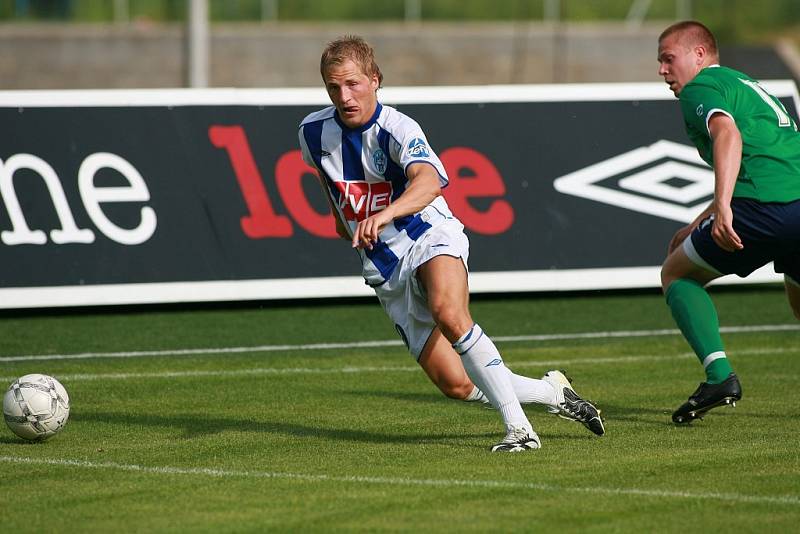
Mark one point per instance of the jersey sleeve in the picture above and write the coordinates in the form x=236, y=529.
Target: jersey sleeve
x=699, y=102
x=304, y=148
x=411, y=146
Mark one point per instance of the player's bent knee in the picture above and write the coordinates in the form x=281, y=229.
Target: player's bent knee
x=666, y=280
x=452, y=322
x=440, y=307
x=667, y=276
x=456, y=391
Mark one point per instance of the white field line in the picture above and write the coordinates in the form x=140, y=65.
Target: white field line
x=383, y=343
x=790, y=500
x=262, y=371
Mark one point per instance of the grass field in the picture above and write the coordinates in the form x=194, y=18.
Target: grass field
x=232, y=420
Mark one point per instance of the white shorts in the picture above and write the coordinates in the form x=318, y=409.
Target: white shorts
x=403, y=297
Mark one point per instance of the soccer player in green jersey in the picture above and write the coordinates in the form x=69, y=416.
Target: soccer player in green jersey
x=753, y=145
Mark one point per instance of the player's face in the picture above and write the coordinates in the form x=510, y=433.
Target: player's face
x=677, y=63
x=352, y=92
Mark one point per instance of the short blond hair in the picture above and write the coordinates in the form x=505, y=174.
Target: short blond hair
x=693, y=33
x=354, y=48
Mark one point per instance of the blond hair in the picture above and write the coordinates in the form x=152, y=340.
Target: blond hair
x=693, y=33
x=355, y=49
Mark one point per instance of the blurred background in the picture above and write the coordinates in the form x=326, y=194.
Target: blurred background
x=69, y=44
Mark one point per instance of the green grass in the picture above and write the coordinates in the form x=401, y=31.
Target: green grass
x=358, y=439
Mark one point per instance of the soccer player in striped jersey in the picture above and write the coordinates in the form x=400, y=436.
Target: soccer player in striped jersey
x=383, y=182
x=753, y=145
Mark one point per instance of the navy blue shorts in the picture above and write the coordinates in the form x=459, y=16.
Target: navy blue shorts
x=769, y=232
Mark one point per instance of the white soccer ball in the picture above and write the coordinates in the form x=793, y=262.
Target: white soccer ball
x=36, y=407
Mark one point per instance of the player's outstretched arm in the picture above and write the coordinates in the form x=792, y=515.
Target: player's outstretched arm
x=423, y=188
x=727, y=161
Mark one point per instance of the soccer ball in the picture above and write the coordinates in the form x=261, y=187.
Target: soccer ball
x=36, y=407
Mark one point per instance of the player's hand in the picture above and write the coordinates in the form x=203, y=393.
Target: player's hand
x=367, y=231
x=722, y=229
x=679, y=237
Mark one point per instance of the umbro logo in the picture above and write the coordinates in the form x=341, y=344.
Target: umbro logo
x=665, y=179
x=324, y=153
x=496, y=361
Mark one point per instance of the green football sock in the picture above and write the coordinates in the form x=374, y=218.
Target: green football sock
x=696, y=316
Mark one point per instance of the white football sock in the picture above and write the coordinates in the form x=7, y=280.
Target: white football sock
x=527, y=390
x=476, y=396
x=533, y=390
x=487, y=371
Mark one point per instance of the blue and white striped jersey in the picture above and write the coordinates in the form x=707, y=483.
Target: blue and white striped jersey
x=364, y=170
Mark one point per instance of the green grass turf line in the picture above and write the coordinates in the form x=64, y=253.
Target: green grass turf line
x=371, y=450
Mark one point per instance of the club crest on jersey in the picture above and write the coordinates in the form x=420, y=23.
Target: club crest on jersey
x=418, y=149
x=359, y=200
x=380, y=161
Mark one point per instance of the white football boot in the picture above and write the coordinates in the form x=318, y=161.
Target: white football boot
x=518, y=439
x=570, y=405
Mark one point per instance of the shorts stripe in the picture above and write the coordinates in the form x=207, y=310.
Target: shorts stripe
x=694, y=257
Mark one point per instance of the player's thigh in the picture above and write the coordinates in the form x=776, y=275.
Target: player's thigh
x=679, y=265
x=445, y=281
x=789, y=264
x=444, y=368
x=445, y=278
x=793, y=294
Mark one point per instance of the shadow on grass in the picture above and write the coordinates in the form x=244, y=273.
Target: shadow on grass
x=428, y=398
x=199, y=425
x=663, y=416
x=533, y=411
x=635, y=414
x=8, y=440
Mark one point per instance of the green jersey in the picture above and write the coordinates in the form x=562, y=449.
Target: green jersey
x=770, y=169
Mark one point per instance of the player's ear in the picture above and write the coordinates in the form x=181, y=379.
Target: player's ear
x=700, y=53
